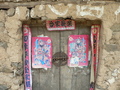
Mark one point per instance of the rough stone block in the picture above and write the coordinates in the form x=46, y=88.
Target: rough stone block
x=13, y=33
x=2, y=15
x=116, y=35
x=16, y=65
x=108, y=35
x=22, y=13
x=21, y=87
x=111, y=80
x=15, y=87
x=15, y=56
x=3, y=44
x=1, y=24
x=112, y=47
x=3, y=53
x=11, y=81
x=5, y=65
x=3, y=87
x=4, y=37
x=59, y=10
x=38, y=11
x=13, y=24
x=105, y=53
x=11, y=12
x=6, y=69
x=115, y=27
x=118, y=88
x=43, y=18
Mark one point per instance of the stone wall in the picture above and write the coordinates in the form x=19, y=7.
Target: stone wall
x=11, y=64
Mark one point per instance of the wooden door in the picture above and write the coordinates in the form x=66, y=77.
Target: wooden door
x=63, y=77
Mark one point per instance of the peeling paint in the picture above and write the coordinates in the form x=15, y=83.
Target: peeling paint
x=87, y=10
x=32, y=13
x=117, y=12
x=41, y=7
x=80, y=10
x=54, y=10
x=17, y=11
x=112, y=80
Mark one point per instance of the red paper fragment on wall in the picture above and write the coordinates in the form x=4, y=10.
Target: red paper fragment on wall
x=41, y=52
x=55, y=25
x=78, y=50
x=95, y=45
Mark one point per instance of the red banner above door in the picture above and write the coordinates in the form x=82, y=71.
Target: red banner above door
x=60, y=25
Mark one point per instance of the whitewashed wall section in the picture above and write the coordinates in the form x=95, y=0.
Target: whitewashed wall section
x=77, y=11
x=117, y=12
x=62, y=10
x=57, y=12
x=90, y=11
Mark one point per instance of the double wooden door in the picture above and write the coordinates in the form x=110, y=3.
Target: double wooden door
x=60, y=77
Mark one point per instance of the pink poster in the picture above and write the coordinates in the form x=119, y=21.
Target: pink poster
x=41, y=52
x=78, y=47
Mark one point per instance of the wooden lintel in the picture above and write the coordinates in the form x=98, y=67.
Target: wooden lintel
x=30, y=4
x=7, y=5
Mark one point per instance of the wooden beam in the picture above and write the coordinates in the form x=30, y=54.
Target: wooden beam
x=7, y=5
x=31, y=4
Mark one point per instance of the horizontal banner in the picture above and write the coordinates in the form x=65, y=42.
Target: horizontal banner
x=60, y=25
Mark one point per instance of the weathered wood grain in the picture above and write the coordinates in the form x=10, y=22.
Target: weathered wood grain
x=35, y=72
x=49, y=80
x=46, y=79
x=64, y=77
x=66, y=72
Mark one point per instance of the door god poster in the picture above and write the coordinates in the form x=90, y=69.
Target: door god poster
x=78, y=47
x=41, y=52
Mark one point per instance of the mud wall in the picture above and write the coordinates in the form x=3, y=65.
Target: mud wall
x=11, y=63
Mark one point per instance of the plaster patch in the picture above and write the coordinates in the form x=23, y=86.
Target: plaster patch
x=70, y=5
x=88, y=10
x=32, y=13
x=41, y=7
x=117, y=12
x=115, y=73
x=17, y=11
x=54, y=10
x=27, y=14
x=112, y=80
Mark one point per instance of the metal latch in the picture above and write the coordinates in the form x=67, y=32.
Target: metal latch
x=59, y=59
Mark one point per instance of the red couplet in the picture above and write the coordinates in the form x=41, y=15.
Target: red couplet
x=27, y=57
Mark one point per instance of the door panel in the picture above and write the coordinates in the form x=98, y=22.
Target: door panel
x=73, y=78
x=66, y=72
x=47, y=79
x=35, y=72
x=63, y=77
